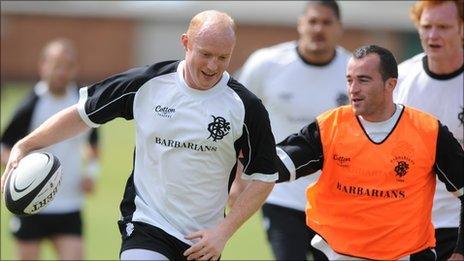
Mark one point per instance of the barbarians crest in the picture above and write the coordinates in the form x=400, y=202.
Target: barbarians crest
x=218, y=128
x=401, y=168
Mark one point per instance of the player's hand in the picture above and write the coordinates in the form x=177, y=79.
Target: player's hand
x=209, y=247
x=88, y=185
x=456, y=257
x=16, y=155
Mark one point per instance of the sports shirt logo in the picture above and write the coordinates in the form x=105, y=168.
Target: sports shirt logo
x=164, y=111
x=218, y=128
x=129, y=229
x=402, y=168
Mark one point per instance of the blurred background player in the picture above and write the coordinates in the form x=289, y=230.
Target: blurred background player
x=297, y=81
x=60, y=221
x=433, y=82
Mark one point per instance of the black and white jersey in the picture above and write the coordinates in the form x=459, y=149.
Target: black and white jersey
x=441, y=96
x=187, y=143
x=33, y=111
x=294, y=92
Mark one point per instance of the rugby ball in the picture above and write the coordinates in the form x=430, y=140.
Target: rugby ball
x=33, y=184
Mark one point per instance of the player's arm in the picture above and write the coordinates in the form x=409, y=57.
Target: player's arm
x=300, y=154
x=238, y=185
x=63, y=125
x=449, y=166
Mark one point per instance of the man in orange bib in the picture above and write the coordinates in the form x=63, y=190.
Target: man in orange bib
x=379, y=159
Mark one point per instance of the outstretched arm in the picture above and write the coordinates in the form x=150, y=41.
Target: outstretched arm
x=63, y=125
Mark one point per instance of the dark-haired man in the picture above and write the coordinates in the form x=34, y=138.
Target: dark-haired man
x=374, y=197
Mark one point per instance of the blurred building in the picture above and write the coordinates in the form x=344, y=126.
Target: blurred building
x=114, y=36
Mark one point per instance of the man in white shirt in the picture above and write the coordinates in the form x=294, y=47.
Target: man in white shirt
x=297, y=81
x=433, y=82
x=192, y=121
x=61, y=221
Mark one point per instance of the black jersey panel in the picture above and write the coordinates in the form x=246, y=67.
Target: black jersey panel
x=114, y=96
x=20, y=124
x=305, y=150
x=449, y=160
x=257, y=142
x=127, y=205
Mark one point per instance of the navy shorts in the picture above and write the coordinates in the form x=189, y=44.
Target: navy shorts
x=138, y=235
x=40, y=226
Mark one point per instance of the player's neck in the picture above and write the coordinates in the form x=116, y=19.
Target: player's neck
x=446, y=66
x=314, y=58
x=58, y=93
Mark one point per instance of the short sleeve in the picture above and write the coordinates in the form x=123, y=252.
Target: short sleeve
x=114, y=97
x=259, y=153
x=300, y=154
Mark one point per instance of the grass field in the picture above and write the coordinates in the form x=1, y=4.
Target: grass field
x=101, y=209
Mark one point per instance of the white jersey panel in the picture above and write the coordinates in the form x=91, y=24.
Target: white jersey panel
x=157, y=154
x=442, y=98
x=294, y=93
x=69, y=197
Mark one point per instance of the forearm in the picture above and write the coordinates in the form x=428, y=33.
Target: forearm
x=247, y=203
x=61, y=126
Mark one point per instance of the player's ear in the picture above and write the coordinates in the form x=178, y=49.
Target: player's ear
x=184, y=40
x=390, y=83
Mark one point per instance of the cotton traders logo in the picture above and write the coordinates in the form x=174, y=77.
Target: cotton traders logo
x=218, y=128
x=342, y=161
x=164, y=111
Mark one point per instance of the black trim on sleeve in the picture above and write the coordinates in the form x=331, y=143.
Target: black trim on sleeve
x=257, y=141
x=114, y=96
x=305, y=150
x=449, y=160
x=20, y=123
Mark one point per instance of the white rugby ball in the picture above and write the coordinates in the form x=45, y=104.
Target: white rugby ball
x=33, y=184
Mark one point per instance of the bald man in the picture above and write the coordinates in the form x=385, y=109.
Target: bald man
x=192, y=120
x=61, y=221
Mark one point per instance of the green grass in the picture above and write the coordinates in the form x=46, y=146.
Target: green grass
x=101, y=210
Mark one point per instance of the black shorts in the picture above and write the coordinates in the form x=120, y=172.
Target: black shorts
x=138, y=235
x=39, y=226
